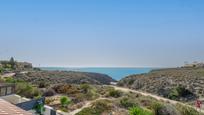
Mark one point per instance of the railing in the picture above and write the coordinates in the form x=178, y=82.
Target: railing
x=7, y=89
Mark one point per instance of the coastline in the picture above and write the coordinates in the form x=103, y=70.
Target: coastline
x=116, y=73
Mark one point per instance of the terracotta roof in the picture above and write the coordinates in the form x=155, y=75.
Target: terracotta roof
x=7, y=108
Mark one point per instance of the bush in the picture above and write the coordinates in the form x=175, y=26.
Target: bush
x=43, y=84
x=92, y=94
x=1, y=70
x=184, y=110
x=97, y=108
x=115, y=93
x=88, y=111
x=126, y=103
x=27, y=90
x=85, y=87
x=88, y=91
x=65, y=101
x=167, y=110
x=156, y=108
x=131, y=81
x=178, y=92
x=39, y=108
x=49, y=92
x=66, y=89
x=49, y=100
x=102, y=105
x=10, y=80
x=139, y=111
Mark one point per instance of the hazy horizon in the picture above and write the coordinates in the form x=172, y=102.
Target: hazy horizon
x=102, y=33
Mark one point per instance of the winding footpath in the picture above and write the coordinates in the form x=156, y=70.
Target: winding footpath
x=89, y=103
x=156, y=97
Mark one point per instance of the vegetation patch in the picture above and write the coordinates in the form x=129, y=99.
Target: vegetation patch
x=97, y=108
x=115, y=93
x=178, y=92
x=139, y=111
x=184, y=110
x=127, y=103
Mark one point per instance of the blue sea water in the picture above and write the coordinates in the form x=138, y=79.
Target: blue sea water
x=115, y=73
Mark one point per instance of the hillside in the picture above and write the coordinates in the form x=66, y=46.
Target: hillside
x=183, y=84
x=24, y=71
x=82, y=93
x=55, y=77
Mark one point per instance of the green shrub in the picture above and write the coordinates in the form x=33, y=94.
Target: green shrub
x=139, y=111
x=168, y=110
x=85, y=87
x=43, y=84
x=91, y=94
x=97, y=108
x=88, y=111
x=65, y=89
x=39, y=108
x=27, y=90
x=184, y=110
x=8, y=66
x=89, y=91
x=131, y=81
x=115, y=93
x=102, y=105
x=177, y=92
x=1, y=70
x=65, y=101
x=12, y=80
x=126, y=103
x=156, y=107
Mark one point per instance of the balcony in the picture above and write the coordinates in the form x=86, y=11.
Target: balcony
x=7, y=89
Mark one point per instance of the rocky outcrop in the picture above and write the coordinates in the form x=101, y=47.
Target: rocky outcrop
x=180, y=83
x=55, y=77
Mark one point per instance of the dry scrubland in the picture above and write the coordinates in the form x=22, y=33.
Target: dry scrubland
x=182, y=84
x=88, y=94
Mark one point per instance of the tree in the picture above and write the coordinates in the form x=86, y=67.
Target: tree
x=65, y=101
x=12, y=62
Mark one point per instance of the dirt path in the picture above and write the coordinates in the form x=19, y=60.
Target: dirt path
x=155, y=96
x=88, y=104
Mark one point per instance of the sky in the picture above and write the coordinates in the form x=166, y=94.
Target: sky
x=102, y=33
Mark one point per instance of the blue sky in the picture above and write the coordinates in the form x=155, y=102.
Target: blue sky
x=139, y=33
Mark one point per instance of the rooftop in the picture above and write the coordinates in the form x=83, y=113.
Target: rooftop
x=7, y=108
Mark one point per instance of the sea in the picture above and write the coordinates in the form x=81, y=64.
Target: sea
x=115, y=73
